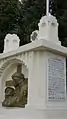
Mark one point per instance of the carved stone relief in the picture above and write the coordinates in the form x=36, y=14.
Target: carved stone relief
x=16, y=91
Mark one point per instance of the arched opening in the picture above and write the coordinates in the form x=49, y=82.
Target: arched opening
x=13, y=66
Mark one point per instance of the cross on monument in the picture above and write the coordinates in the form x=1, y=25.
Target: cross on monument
x=48, y=7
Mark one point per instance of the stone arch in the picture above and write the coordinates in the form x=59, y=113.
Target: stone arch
x=5, y=69
x=9, y=62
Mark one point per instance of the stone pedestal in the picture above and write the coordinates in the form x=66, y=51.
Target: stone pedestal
x=47, y=76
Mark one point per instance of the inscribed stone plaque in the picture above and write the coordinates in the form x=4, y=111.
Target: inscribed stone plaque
x=56, y=79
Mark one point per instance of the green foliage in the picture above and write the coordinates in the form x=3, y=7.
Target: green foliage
x=9, y=16
x=19, y=18
x=60, y=11
x=32, y=11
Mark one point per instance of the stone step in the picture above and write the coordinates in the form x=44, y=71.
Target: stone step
x=31, y=113
x=20, y=113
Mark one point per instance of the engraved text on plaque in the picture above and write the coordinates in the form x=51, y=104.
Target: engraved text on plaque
x=56, y=79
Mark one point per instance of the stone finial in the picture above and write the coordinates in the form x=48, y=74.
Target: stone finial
x=34, y=35
x=11, y=42
x=48, y=29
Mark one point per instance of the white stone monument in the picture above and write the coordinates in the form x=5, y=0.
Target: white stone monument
x=46, y=75
x=11, y=42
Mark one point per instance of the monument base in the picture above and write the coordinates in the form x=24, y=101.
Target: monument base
x=38, y=107
x=20, y=113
